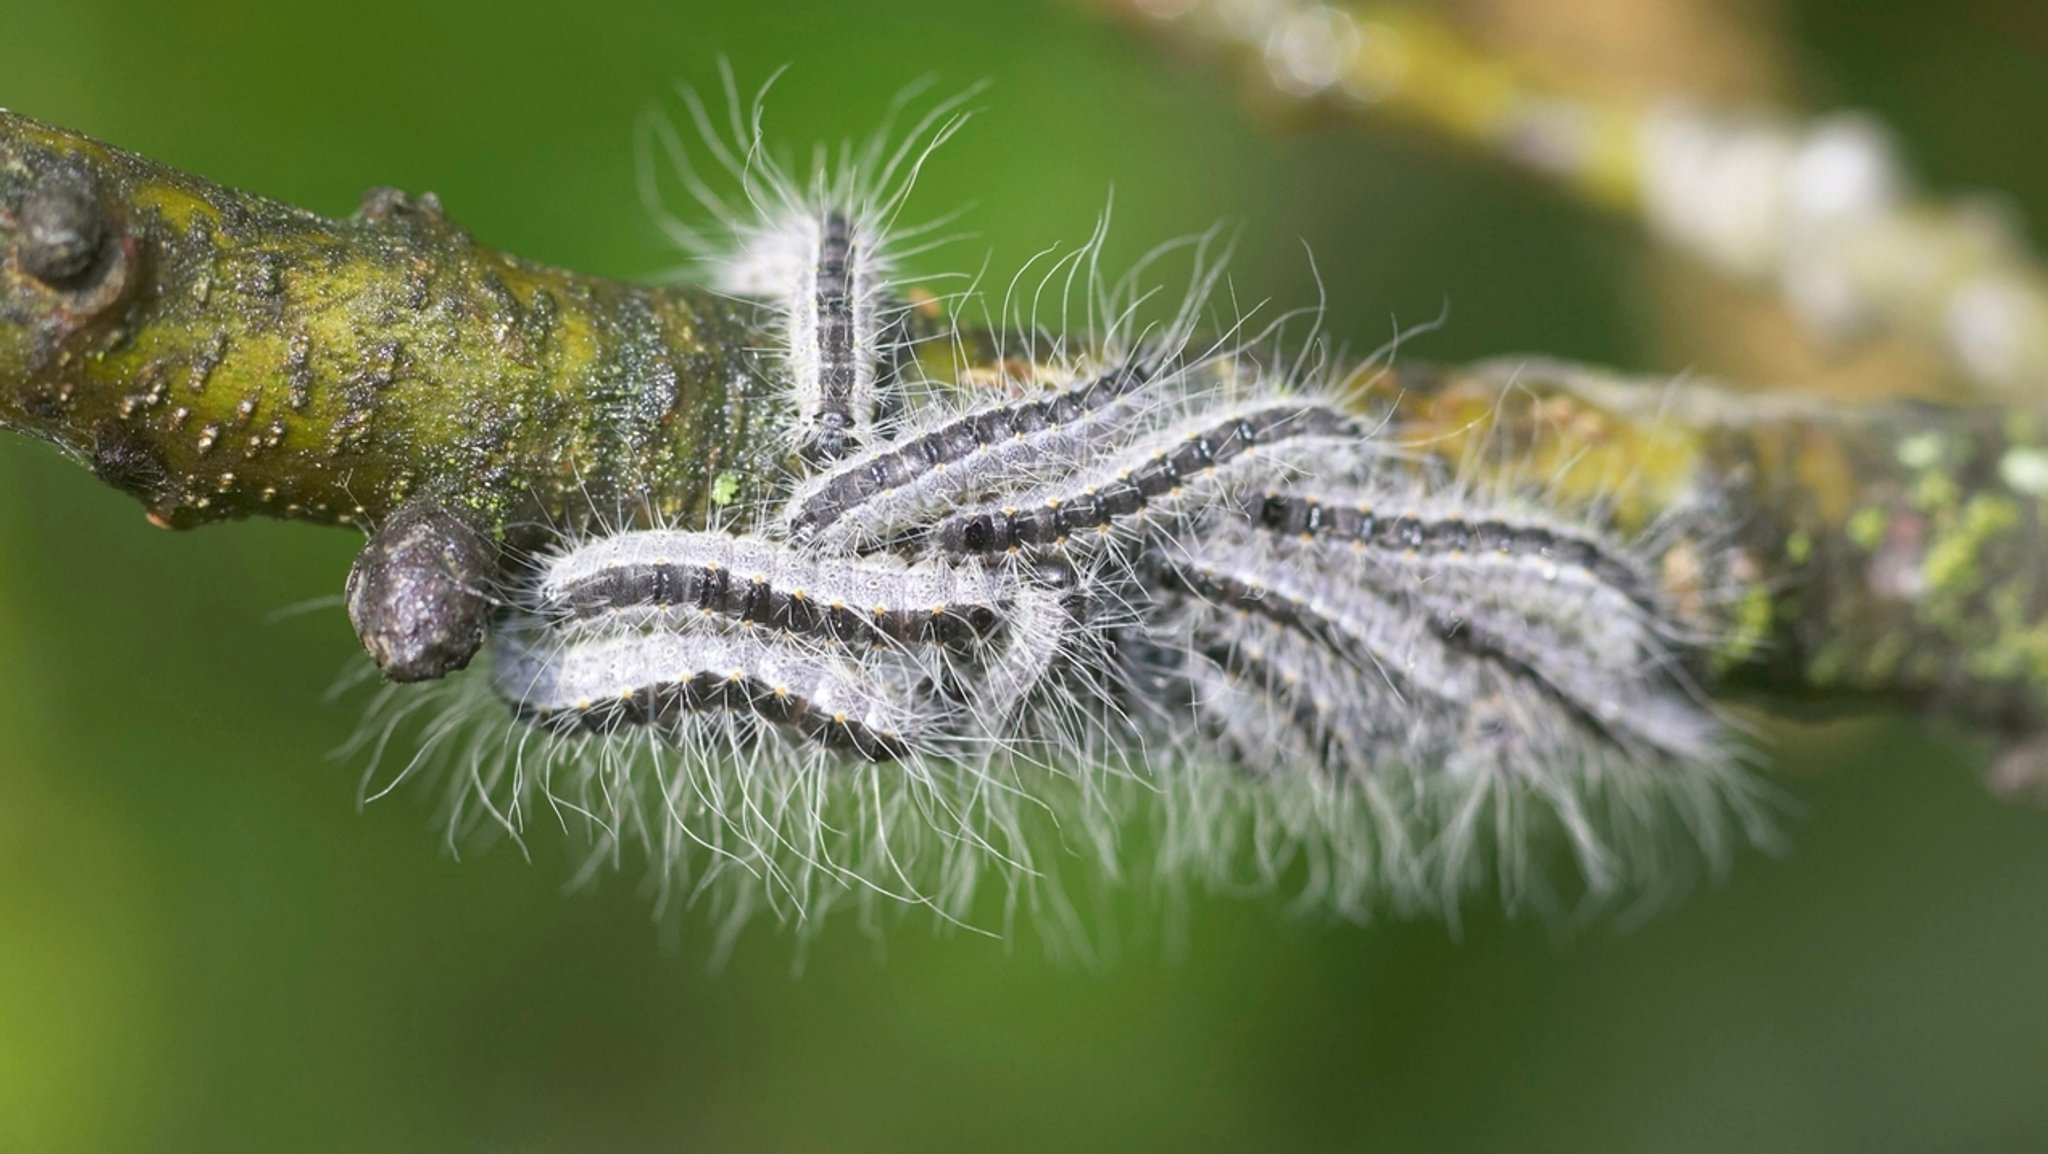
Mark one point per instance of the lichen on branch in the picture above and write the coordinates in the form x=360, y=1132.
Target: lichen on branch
x=220, y=355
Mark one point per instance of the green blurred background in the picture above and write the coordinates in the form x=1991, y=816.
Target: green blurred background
x=205, y=946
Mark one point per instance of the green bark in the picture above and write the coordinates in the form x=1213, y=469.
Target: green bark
x=220, y=355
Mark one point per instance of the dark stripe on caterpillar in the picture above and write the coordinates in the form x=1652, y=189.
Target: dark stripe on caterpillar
x=833, y=295
x=1149, y=475
x=604, y=684
x=1006, y=435
x=659, y=576
x=1319, y=517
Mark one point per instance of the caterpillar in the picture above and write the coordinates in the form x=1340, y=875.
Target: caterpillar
x=820, y=250
x=1182, y=464
x=646, y=578
x=989, y=447
x=972, y=624
x=654, y=679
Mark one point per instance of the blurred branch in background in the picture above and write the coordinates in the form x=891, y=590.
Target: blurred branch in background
x=1821, y=209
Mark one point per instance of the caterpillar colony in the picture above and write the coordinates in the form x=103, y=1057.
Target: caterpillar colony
x=1119, y=576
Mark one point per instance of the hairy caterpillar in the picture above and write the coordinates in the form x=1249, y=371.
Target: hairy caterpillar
x=654, y=679
x=821, y=251
x=968, y=628
x=987, y=447
x=644, y=578
x=1181, y=465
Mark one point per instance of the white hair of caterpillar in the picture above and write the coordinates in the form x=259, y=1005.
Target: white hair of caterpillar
x=751, y=818
x=747, y=820
x=1409, y=835
x=820, y=247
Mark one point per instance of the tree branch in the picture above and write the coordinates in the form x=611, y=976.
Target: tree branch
x=219, y=355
